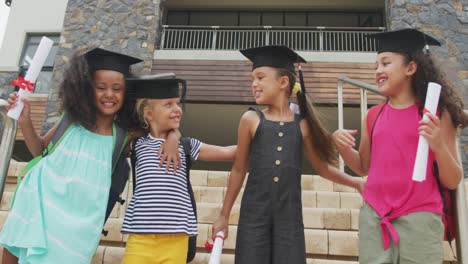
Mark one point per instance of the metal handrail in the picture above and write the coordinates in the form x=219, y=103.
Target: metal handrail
x=322, y=39
x=461, y=215
x=460, y=195
x=277, y=27
x=6, y=145
x=364, y=89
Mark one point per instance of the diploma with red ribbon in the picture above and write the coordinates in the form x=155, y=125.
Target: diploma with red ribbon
x=26, y=84
x=216, y=248
x=420, y=164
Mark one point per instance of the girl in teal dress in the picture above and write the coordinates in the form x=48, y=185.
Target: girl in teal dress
x=59, y=208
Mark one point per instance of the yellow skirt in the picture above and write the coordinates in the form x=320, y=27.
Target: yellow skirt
x=156, y=249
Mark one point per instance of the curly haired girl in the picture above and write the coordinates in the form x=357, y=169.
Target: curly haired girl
x=400, y=221
x=60, y=206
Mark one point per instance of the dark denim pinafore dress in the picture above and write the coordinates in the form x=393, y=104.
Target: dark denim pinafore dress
x=271, y=228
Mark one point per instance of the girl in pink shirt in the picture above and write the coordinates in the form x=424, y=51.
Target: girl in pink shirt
x=400, y=221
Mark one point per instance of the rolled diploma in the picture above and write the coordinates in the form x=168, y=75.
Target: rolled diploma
x=33, y=72
x=420, y=164
x=295, y=108
x=217, y=248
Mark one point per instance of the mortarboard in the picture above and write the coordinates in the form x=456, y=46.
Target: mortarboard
x=278, y=57
x=273, y=56
x=403, y=41
x=156, y=87
x=101, y=59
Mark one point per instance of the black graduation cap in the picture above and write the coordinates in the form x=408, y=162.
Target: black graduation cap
x=101, y=59
x=403, y=41
x=273, y=56
x=278, y=57
x=155, y=87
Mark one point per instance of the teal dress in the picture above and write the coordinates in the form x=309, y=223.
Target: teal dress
x=59, y=209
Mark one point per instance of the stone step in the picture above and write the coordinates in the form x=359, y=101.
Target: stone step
x=205, y=194
x=216, y=179
x=325, y=243
x=309, y=182
x=108, y=255
x=315, y=199
x=315, y=218
x=319, y=242
x=219, y=179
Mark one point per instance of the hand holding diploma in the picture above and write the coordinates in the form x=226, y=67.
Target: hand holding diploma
x=420, y=164
x=26, y=84
x=216, y=248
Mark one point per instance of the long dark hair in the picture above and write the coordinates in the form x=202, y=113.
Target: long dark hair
x=321, y=138
x=77, y=95
x=427, y=71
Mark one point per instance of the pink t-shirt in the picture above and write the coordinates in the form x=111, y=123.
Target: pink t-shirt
x=390, y=190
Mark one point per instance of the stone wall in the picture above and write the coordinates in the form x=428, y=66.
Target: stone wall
x=121, y=25
x=5, y=86
x=447, y=20
x=5, y=90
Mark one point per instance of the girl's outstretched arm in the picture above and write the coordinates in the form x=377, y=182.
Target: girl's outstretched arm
x=217, y=153
x=33, y=141
x=169, y=151
x=323, y=168
x=247, y=127
x=345, y=142
x=441, y=136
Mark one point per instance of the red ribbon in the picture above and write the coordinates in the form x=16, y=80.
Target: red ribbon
x=209, y=246
x=23, y=84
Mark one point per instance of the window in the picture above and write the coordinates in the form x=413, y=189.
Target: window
x=220, y=18
x=30, y=47
x=295, y=19
x=250, y=19
x=178, y=18
x=274, y=18
x=370, y=20
x=333, y=19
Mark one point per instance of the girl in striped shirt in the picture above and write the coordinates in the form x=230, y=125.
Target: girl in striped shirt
x=160, y=217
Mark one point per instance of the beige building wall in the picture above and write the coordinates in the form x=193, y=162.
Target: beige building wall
x=29, y=16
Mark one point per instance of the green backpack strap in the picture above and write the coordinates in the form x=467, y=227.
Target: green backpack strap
x=120, y=138
x=57, y=136
x=120, y=171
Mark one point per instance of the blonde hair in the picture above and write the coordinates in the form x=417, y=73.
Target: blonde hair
x=141, y=104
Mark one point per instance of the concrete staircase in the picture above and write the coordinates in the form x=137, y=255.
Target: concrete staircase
x=331, y=214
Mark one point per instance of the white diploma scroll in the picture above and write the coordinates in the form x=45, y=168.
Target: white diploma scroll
x=295, y=108
x=31, y=75
x=420, y=165
x=217, y=248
